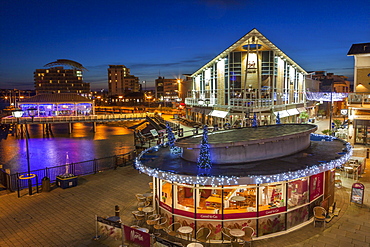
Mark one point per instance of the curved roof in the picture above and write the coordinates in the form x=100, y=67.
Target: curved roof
x=68, y=62
x=319, y=157
x=56, y=98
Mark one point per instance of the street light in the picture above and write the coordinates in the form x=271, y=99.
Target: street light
x=17, y=114
x=32, y=112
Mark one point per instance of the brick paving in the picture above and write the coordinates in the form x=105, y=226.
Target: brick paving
x=67, y=217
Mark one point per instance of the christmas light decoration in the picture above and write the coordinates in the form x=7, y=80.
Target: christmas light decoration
x=170, y=136
x=252, y=179
x=254, y=121
x=278, y=118
x=204, y=159
x=329, y=96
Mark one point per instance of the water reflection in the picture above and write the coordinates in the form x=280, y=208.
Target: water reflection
x=82, y=144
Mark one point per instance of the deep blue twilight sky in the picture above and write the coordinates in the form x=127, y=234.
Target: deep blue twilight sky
x=171, y=38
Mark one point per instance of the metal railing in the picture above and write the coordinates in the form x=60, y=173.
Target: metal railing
x=67, y=119
x=12, y=182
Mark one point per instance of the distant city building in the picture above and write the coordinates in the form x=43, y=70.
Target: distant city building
x=330, y=82
x=120, y=82
x=167, y=90
x=359, y=101
x=250, y=78
x=57, y=79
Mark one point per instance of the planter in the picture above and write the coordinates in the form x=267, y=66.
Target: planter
x=65, y=183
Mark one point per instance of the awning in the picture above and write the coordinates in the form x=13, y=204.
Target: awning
x=293, y=112
x=301, y=109
x=217, y=113
x=281, y=113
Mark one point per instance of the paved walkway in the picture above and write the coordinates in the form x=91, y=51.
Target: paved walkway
x=66, y=217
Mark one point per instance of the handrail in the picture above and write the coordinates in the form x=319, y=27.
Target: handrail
x=89, y=118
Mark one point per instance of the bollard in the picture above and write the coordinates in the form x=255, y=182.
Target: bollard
x=116, y=208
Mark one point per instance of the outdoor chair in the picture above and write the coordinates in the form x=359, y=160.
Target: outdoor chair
x=319, y=214
x=203, y=234
x=152, y=220
x=140, y=198
x=226, y=234
x=161, y=224
x=141, y=205
x=172, y=229
x=139, y=217
x=248, y=236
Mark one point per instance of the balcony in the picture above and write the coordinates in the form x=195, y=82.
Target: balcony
x=241, y=99
x=359, y=100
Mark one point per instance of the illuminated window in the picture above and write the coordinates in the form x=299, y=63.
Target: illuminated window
x=58, y=91
x=47, y=71
x=50, y=81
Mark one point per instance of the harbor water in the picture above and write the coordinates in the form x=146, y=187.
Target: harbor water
x=61, y=147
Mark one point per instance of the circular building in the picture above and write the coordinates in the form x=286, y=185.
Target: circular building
x=268, y=178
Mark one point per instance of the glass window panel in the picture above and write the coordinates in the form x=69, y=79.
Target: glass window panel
x=297, y=193
x=271, y=196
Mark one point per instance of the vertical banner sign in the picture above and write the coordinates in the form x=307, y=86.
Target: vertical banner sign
x=357, y=193
x=316, y=186
x=136, y=236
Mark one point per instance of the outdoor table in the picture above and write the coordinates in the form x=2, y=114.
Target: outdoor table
x=148, y=210
x=194, y=245
x=143, y=229
x=186, y=230
x=237, y=233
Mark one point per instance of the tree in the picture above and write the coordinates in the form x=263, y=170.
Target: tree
x=204, y=159
x=170, y=136
x=304, y=116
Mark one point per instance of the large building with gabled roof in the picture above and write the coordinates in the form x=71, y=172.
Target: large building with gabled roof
x=251, y=76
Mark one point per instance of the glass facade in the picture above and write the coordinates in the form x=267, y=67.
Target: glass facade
x=267, y=208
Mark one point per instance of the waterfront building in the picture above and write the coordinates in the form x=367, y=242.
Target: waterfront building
x=57, y=79
x=61, y=104
x=359, y=100
x=250, y=76
x=121, y=82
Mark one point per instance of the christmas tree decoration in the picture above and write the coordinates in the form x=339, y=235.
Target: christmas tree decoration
x=170, y=136
x=278, y=118
x=254, y=121
x=204, y=159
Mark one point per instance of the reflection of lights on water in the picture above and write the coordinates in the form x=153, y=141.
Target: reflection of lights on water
x=82, y=144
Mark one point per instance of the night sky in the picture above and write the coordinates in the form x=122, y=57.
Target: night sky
x=171, y=38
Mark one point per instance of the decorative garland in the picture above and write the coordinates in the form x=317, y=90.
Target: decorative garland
x=235, y=180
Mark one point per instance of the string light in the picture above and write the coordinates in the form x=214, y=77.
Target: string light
x=251, y=179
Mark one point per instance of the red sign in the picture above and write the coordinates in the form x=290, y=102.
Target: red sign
x=240, y=215
x=209, y=216
x=272, y=211
x=183, y=213
x=136, y=236
x=316, y=186
x=357, y=193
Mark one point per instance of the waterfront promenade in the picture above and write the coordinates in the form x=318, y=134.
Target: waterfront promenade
x=66, y=217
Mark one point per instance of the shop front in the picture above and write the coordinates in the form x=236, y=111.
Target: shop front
x=268, y=208
x=273, y=193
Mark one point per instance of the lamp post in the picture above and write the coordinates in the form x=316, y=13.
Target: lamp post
x=17, y=114
x=32, y=112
